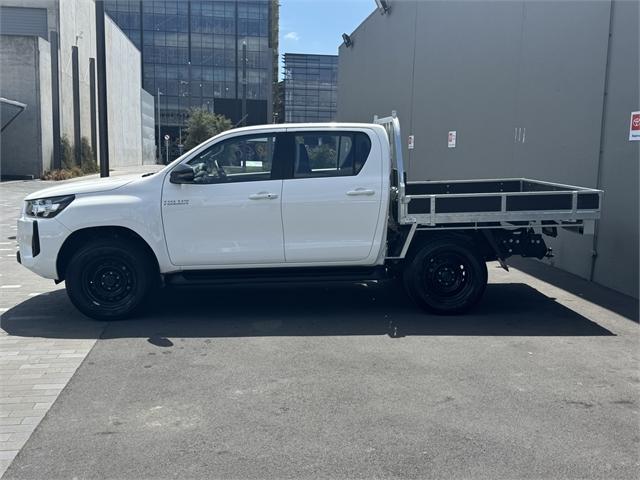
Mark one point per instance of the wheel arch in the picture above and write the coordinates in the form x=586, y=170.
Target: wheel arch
x=474, y=239
x=84, y=235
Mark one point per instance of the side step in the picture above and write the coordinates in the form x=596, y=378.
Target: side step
x=276, y=275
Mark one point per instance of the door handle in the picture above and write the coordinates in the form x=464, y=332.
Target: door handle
x=360, y=191
x=263, y=196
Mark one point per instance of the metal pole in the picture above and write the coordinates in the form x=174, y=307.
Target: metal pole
x=75, y=81
x=244, y=83
x=102, y=89
x=55, y=100
x=166, y=146
x=159, y=137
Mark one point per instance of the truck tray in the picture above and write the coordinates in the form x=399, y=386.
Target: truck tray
x=514, y=201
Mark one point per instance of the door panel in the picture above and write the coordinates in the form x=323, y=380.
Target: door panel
x=231, y=214
x=329, y=213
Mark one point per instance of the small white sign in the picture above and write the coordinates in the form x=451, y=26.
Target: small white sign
x=634, y=127
x=411, y=142
x=452, y=139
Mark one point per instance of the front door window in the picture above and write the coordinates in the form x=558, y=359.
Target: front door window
x=241, y=159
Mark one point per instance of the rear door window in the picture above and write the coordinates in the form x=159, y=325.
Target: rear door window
x=324, y=154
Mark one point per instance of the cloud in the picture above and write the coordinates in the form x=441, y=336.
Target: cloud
x=292, y=36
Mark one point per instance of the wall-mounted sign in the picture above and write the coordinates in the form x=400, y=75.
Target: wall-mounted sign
x=634, y=127
x=452, y=139
x=411, y=142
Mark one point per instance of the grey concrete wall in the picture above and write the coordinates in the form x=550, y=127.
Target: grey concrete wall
x=27, y=143
x=123, y=98
x=490, y=70
x=617, y=241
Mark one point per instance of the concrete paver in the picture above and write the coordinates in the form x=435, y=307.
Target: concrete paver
x=33, y=370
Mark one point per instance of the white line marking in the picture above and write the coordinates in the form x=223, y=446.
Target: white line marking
x=10, y=286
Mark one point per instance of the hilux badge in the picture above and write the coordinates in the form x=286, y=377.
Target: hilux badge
x=170, y=203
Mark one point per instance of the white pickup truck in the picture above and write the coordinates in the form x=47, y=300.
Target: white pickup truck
x=290, y=203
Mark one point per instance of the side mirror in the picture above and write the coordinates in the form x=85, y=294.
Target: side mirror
x=183, y=173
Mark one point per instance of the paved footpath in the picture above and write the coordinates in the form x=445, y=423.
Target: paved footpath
x=33, y=370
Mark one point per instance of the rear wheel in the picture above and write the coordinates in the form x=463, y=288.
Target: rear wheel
x=109, y=279
x=446, y=276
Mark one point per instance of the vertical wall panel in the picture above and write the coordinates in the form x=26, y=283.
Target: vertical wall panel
x=466, y=75
x=559, y=110
x=616, y=264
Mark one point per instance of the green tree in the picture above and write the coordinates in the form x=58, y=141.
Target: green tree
x=203, y=125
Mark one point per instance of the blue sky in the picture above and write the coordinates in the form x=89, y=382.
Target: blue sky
x=316, y=26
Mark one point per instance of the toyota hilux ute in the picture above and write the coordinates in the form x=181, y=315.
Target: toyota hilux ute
x=291, y=202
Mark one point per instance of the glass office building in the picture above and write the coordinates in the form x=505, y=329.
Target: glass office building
x=310, y=84
x=198, y=53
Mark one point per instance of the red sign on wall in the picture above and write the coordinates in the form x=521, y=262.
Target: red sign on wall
x=634, y=127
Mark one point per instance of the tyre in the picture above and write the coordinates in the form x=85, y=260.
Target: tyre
x=110, y=279
x=446, y=276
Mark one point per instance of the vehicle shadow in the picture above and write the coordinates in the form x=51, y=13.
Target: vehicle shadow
x=610, y=299
x=508, y=309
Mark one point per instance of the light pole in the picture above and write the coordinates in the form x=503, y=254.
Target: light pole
x=159, y=136
x=244, y=82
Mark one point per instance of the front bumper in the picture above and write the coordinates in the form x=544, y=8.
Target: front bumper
x=39, y=241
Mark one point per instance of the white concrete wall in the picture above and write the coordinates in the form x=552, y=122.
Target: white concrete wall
x=77, y=28
x=45, y=101
x=123, y=98
x=148, y=128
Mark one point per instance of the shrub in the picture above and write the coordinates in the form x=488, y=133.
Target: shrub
x=88, y=164
x=66, y=151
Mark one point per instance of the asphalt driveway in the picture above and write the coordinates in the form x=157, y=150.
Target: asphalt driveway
x=344, y=382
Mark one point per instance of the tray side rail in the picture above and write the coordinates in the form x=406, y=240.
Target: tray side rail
x=541, y=201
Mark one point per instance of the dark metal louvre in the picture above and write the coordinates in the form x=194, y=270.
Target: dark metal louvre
x=24, y=21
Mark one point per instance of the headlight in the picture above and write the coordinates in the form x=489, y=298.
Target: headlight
x=47, y=207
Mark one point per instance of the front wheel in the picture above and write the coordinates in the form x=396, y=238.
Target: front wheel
x=446, y=276
x=109, y=279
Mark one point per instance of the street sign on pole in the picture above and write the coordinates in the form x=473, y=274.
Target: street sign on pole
x=166, y=146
